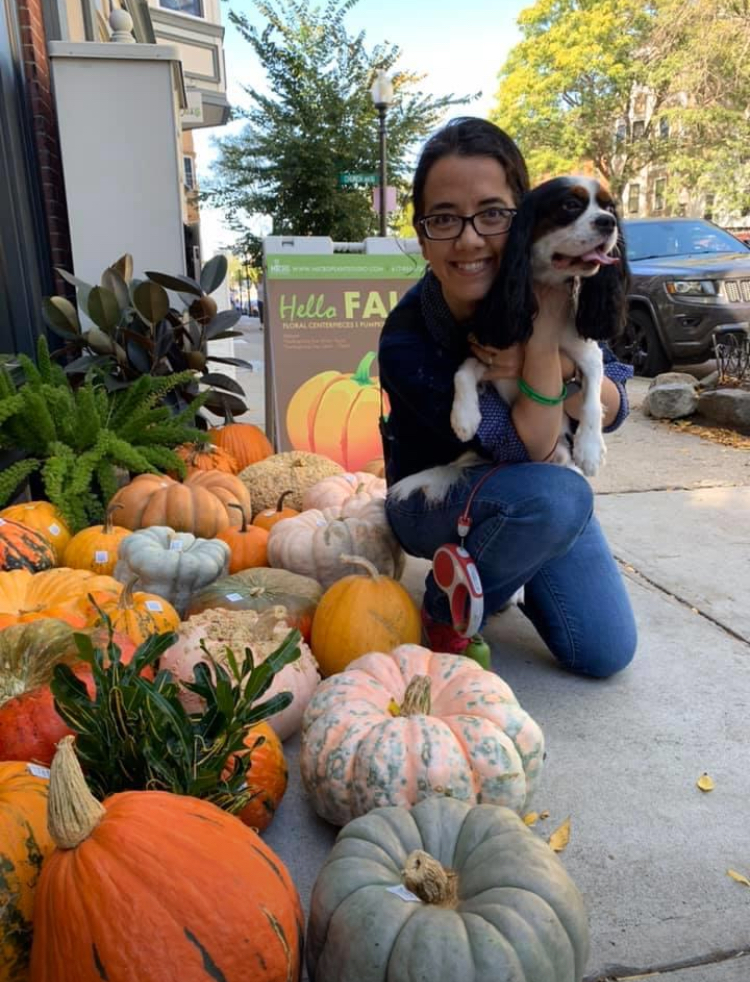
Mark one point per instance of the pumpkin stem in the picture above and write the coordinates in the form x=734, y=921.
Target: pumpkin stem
x=72, y=811
x=108, y=523
x=362, y=375
x=232, y=504
x=430, y=880
x=361, y=561
x=417, y=701
x=228, y=417
x=282, y=496
x=126, y=597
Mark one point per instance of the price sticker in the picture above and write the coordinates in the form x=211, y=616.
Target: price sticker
x=155, y=606
x=2, y=521
x=404, y=894
x=38, y=771
x=175, y=545
x=101, y=556
x=54, y=528
x=234, y=597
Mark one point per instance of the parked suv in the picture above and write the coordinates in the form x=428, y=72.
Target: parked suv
x=689, y=277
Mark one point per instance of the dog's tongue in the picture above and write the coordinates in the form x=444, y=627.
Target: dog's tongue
x=597, y=256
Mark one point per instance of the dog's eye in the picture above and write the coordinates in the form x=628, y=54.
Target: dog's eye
x=572, y=204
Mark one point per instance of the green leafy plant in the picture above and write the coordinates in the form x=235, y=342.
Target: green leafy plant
x=137, y=331
x=78, y=438
x=134, y=733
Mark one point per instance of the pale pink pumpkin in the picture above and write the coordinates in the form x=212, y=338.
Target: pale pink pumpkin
x=333, y=491
x=396, y=728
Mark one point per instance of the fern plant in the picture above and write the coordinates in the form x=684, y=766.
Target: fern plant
x=78, y=438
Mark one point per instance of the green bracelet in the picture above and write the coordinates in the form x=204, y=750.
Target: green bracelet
x=538, y=397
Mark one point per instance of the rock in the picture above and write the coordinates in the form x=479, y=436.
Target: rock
x=667, y=377
x=709, y=381
x=671, y=400
x=727, y=407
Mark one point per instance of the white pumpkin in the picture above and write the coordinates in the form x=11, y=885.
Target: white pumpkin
x=174, y=565
x=313, y=543
x=237, y=630
x=333, y=491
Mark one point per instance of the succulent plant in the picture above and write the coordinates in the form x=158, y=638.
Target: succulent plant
x=137, y=331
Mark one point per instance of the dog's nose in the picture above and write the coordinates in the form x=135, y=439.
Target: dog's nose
x=605, y=222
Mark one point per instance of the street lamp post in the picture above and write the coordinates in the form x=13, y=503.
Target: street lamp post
x=382, y=96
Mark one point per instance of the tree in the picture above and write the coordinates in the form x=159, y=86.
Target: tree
x=317, y=122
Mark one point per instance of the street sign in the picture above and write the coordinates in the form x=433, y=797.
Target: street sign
x=348, y=179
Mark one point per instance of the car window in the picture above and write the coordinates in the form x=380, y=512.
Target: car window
x=656, y=239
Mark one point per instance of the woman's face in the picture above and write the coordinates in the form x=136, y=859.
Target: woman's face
x=465, y=266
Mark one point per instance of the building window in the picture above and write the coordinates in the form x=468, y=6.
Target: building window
x=621, y=134
x=189, y=171
x=664, y=127
x=682, y=209
x=660, y=190
x=639, y=104
x=634, y=197
x=708, y=208
x=639, y=128
x=194, y=7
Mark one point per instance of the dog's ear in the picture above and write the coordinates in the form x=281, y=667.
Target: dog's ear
x=602, y=302
x=506, y=316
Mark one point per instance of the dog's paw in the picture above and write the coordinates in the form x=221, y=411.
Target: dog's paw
x=465, y=420
x=589, y=450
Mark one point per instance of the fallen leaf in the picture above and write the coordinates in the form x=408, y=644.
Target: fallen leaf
x=561, y=836
x=705, y=783
x=531, y=818
x=544, y=814
x=695, y=610
x=738, y=877
x=393, y=708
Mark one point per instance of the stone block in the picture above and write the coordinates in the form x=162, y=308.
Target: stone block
x=727, y=407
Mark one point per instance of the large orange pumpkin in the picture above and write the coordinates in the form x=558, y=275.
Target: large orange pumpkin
x=95, y=548
x=45, y=518
x=267, y=776
x=61, y=593
x=23, y=547
x=233, y=911
x=24, y=842
x=245, y=442
x=336, y=414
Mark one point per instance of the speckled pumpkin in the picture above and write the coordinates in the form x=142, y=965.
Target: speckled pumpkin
x=24, y=842
x=396, y=728
x=294, y=470
x=491, y=902
x=22, y=547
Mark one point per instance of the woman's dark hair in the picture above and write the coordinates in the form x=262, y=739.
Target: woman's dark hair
x=469, y=136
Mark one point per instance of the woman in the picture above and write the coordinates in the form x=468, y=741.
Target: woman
x=532, y=522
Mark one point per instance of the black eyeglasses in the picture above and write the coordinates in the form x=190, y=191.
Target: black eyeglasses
x=490, y=221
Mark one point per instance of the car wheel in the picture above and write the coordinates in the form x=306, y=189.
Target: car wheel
x=639, y=346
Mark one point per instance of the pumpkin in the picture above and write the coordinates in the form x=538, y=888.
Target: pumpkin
x=393, y=729
x=96, y=548
x=198, y=506
x=233, y=911
x=360, y=614
x=333, y=492
x=260, y=588
x=313, y=543
x=171, y=564
x=137, y=614
x=267, y=518
x=337, y=414
x=246, y=442
x=60, y=593
x=445, y=892
x=202, y=455
x=375, y=466
x=247, y=545
x=29, y=724
x=24, y=842
x=22, y=547
x=236, y=630
x=45, y=518
x=267, y=776
x=294, y=470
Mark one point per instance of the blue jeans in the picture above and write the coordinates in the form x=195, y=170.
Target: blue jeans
x=533, y=525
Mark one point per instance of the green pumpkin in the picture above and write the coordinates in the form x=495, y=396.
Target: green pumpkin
x=445, y=891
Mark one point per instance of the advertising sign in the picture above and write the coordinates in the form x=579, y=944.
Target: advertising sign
x=325, y=314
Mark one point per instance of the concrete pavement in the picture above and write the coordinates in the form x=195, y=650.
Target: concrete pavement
x=649, y=851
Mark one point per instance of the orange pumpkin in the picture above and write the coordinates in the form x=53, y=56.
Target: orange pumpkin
x=336, y=414
x=60, y=593
x=22, y=547
x=267, y=776
x=245, y=442
x=45, y=518
x=198, y=505
x=247, y=544
x=234, y=913
x=24, y=843
x=139, y=615
x=96, y=548
x=267, y=518
x=203, y=455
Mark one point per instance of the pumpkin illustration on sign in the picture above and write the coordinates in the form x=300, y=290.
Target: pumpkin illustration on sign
x=336, y=414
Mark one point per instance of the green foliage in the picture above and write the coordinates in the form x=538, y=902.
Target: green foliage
x=77, y=437
x=318, y=122
x=134, y=733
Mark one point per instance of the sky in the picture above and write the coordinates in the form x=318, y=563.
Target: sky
x=459, y=44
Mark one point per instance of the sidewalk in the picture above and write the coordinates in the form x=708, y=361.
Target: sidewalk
x=649, y=851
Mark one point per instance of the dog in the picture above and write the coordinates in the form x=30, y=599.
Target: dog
x=567, y=230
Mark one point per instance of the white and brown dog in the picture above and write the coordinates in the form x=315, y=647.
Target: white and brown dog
x=566, y=230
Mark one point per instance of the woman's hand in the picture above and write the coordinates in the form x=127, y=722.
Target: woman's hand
x=500, y=362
